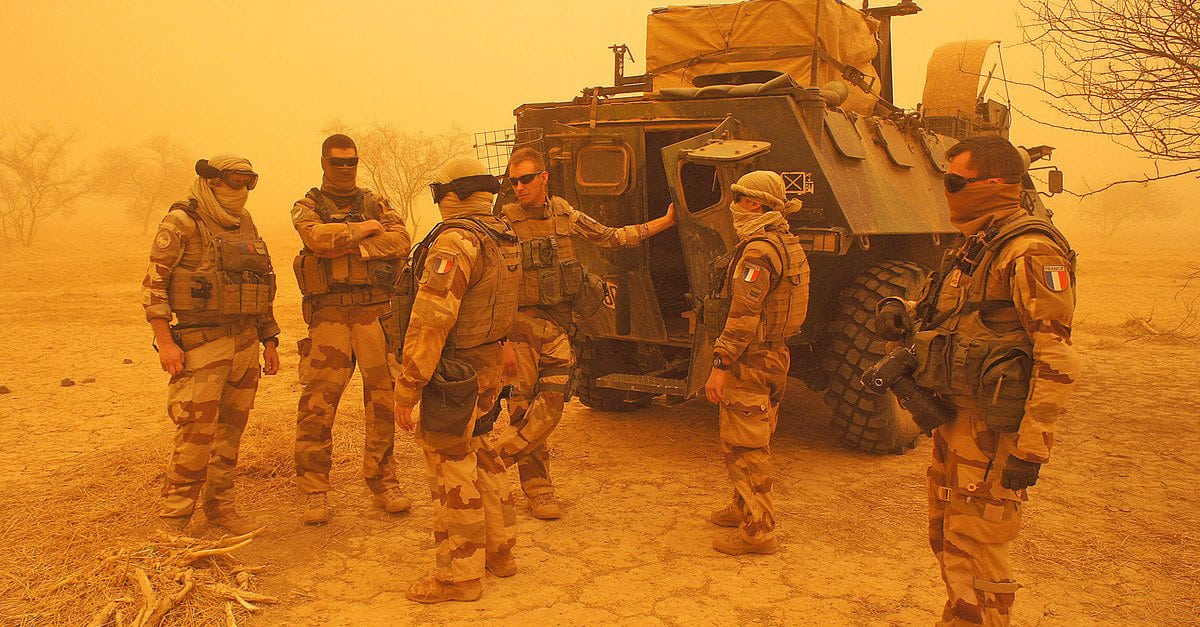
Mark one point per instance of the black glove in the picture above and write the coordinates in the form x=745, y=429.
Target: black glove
x=892, y=321
x=1019, y=474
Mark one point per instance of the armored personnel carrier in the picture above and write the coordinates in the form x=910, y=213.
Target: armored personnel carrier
x=802, y=87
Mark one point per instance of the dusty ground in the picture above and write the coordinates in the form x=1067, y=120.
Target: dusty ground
x=1110, y=536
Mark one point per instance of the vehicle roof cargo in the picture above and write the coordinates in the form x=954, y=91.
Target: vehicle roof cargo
x=684, y=42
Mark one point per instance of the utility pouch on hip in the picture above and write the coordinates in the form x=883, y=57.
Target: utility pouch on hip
x=930, y=348
x=1004, y=388
x=310, y=274
x=591, y=295
x=448, y=400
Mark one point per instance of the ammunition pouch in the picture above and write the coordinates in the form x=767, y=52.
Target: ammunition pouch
x=448, y=400
x=554, y=281
x=995, y=372
x=320, y=275
x=225, y=293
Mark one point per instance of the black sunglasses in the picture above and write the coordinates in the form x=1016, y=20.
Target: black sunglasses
x=956, y=182
x=342, y=162
x=524, y=179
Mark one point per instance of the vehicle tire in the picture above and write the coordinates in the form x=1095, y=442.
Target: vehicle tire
x=598, y=357
x=863, y=420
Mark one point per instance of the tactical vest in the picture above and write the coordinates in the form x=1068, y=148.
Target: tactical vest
x=786, y=304
x=552, y=274
x=489, y=306
x=348, y=279
x=234, y=278
x=968, y=345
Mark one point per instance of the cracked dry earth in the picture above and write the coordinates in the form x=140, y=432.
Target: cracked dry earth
x=1110, y=535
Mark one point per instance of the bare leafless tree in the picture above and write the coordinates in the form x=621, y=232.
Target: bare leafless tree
x=38, y=179
x=146, y=178
x=1128, y=69
x=401, y=164
x=1125, y=206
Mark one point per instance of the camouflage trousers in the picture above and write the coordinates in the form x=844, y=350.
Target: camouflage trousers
x=748, y=417
x=972, y=519
x=339, y=337
x=210, y=403
x=545, y=361
x=473, y=513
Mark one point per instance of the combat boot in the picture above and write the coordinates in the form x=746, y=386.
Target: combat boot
x=430, y=589
x=729, y=516
x=173, y=525
x=735, y=544
x=233, y=521
x=393, y=501
x=502, y=564
x=316, y=511
x=544, y=506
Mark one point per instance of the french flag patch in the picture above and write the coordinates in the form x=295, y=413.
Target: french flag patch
x=751, y=274
x=1057, y=278
x=442, y=265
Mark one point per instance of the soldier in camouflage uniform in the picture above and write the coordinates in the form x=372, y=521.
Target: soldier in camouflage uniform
x=468, y=271
x=210, y=271
x=353, y=243
x=765, y=286
x=993, y=336
x=538, y=355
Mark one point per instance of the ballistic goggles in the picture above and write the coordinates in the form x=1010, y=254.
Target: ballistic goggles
x=236, y=179
x=465, y=186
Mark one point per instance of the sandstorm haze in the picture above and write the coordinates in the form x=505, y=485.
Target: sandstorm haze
x=263, y=79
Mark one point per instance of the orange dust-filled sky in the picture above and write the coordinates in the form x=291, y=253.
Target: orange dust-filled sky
x=263, y=78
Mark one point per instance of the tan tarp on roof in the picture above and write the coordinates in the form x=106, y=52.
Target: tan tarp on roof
x=952, y=77
x=683, y=42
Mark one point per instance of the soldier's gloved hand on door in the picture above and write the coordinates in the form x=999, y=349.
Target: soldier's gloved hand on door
x=1019, y=474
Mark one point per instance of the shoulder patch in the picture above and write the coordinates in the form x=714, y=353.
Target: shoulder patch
x=164, y=238
x=752, y=273
x=441, y=264
x=1056, y=278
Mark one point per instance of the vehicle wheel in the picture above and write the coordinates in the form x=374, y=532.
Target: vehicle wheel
x=863, y=420
x=601, y=357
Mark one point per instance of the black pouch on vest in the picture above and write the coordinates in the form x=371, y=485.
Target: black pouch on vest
x=1004, y=388
x=448, y=400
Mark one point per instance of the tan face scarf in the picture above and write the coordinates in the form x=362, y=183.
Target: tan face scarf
x=978, y=207
x=339, y=183
x=479, y=203
x=222, y=205
x=747, y=222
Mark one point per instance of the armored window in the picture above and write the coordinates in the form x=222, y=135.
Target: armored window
x=603, y=170
x=703, y=187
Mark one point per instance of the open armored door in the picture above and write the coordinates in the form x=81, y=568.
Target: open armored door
x=699, y=171
x=598, y=170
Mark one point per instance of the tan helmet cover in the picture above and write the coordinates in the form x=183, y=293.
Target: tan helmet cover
x=764, y=186
x=460, y=167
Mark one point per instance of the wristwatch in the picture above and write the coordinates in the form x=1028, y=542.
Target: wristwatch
x=719, y=364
